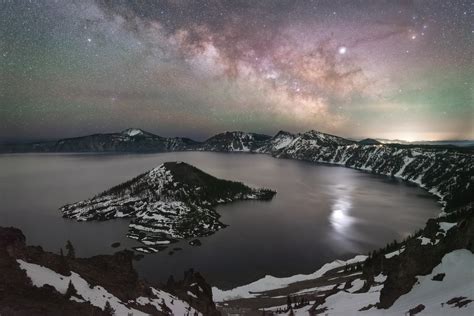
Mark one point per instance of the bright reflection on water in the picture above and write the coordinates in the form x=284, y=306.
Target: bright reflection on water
x=340, y=218
x=319, y=214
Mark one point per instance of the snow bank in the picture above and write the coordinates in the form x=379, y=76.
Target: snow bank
x=395, y=253
x=176, y=306
x=458, y=266
x=434, y=295
x=343, y=303
x=96, y=296
x=444, y=226
x=270, y=282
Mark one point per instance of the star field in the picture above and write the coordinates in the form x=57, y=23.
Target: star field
x=390, y=69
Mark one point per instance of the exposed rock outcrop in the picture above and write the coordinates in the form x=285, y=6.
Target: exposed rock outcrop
x=36, y=282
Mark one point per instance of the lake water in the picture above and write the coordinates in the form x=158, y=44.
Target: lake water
x=320, y=213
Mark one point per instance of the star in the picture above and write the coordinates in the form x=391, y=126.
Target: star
x=342, y=50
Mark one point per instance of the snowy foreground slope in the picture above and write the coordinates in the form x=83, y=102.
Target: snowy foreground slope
x=173, y=201
x=35, y=282
x=98, y=296
x=350, y=295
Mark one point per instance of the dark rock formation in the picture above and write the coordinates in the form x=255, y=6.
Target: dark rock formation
x=114, y=273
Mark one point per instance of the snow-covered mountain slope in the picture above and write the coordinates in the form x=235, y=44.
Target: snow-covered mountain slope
x=126, y=141
x=170, y=202
x=133, y=132
x=234, y=141
x=273, y=145
x=129, y=140
x=36, y=282
x=449, y=174
x=180, y=144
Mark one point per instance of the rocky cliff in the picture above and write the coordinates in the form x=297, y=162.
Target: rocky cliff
x=36, y=282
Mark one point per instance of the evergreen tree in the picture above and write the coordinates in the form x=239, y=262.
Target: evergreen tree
x=108, y=310
x=63, y=264
x=288, y=302
x=170, y=283
x=71, y=290
x=71, y=253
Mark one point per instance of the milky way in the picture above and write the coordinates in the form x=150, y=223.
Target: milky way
x=390, y=69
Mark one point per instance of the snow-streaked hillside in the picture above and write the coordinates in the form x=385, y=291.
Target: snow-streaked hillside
x=446, y=174
x=234, y=142
x=268, y=283
x=99, y=296
x=453, y=295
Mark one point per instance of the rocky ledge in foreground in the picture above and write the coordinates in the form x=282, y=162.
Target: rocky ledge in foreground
x=37, y=282
x=173, y=201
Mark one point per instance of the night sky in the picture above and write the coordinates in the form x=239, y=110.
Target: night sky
x=388, y=69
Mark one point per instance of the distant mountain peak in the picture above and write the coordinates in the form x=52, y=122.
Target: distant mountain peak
x=133, y=132
x=318, y=133
x=325, y=139
x=369, y=141
x=282, y=133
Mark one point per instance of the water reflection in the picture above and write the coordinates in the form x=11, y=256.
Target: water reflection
x=339, y=218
